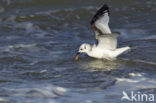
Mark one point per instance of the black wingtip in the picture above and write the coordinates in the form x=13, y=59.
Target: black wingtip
x=100, y=12
x=105, y=7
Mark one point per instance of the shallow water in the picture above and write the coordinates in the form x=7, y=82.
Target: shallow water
x=39, y=39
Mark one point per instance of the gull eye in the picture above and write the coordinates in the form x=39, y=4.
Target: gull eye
x=81, y=49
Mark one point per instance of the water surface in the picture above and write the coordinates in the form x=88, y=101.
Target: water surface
x=39, y=39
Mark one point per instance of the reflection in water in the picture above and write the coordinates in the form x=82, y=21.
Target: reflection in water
x=98, y=64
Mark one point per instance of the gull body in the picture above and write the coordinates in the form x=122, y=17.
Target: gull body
x=106, y=54
x=106, y=47
x=99, y=53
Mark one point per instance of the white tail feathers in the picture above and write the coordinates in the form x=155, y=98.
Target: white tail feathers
x=119, y=51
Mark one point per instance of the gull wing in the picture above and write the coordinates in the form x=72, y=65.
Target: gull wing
x=107, y=41
x=99, y=22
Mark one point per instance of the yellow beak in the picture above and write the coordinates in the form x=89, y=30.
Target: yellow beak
x=77, y=56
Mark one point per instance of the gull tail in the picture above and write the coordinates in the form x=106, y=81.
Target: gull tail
x=119, y=51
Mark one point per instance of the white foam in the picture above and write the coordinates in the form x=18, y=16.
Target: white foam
x=135, y=74
x=127, y=80
x=25, y=47
x=43, y=71
x=2, y=99
x=50, y=91
x=27, y=26
x=135, y=81
x=22, y=46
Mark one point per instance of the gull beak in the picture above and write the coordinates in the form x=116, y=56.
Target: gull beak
x=77, y=56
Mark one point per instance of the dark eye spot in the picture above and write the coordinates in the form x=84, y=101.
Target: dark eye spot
x=81, y=49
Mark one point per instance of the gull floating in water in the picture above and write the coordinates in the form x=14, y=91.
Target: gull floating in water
x=106, y=47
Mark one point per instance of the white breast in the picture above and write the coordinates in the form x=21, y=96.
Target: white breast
x=98, y=53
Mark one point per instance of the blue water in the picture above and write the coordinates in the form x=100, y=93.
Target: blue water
x=39, y=40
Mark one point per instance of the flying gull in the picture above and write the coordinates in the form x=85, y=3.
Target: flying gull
x=106, y=47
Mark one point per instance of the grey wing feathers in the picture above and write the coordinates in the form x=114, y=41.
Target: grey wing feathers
x=107, y=41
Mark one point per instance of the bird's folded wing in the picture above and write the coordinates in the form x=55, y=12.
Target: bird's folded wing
x=99, y=22
x=107, y=41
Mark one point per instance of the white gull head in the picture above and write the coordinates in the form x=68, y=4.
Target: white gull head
x=85, y=48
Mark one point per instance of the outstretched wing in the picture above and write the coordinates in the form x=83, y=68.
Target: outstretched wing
x=107, y=41
x=99, y=22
